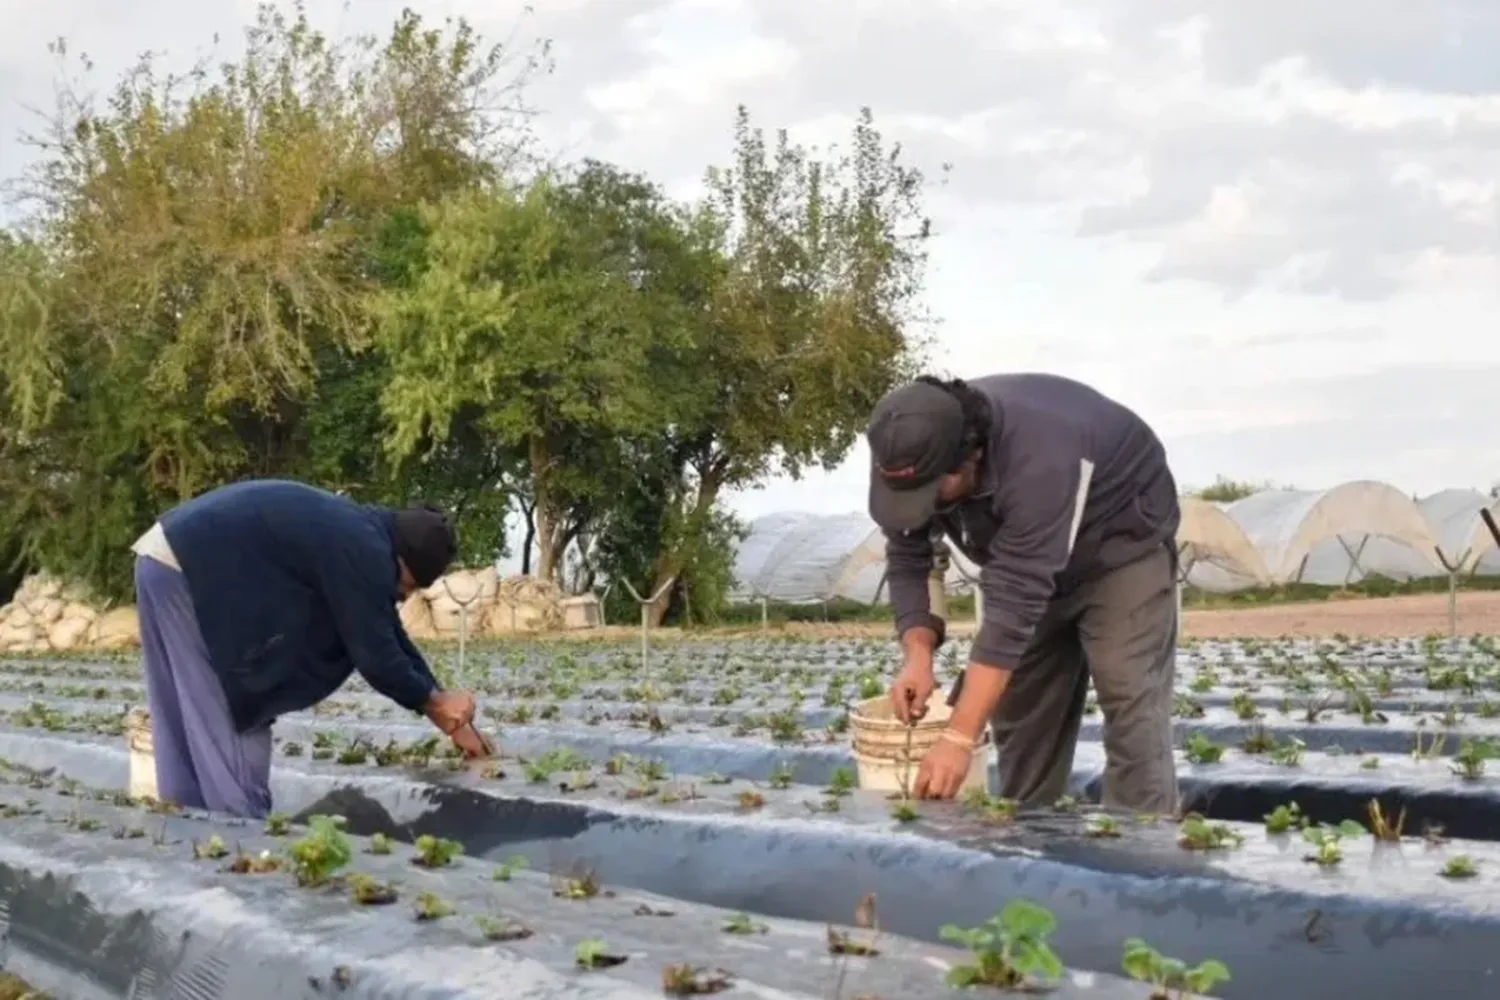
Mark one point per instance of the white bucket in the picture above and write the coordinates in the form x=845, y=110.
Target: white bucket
x=142, y=754
x=887, y=752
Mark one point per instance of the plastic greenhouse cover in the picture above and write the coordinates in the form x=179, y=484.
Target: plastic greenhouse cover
x=799, y=557
x=805, y=558
x=1274, y=518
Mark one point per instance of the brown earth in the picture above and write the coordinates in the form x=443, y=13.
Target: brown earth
x=1385, y=617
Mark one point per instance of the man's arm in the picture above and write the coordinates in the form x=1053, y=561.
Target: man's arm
x=1041, y=511
x=418, y=660
x=358, y=590
x=908, y=564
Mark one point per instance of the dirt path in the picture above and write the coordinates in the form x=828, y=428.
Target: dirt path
x=1387, y=617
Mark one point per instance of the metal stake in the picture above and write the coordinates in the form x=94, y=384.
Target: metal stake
x=463, y=617
x=646, y=603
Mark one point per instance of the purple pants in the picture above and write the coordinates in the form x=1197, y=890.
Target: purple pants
x=201, y=760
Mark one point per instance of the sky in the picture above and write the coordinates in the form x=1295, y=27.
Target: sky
x=1270, y=228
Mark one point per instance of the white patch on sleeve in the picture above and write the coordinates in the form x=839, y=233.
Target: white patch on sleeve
x=1080, y=499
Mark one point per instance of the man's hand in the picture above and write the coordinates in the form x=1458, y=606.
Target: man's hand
x=943, y=771
x=472, y=742
x=450, y=711
x=912, y=690
x=915, y=683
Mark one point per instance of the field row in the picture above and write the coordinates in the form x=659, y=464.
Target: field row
x=1326, y=797
x=1196, y=889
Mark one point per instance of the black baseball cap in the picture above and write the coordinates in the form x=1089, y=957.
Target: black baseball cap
x=425, y=542
x=916, y=438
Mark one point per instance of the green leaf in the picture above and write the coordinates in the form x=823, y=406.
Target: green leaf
x=1206, y=976
x=1140, y=961
x=963, y=976
x=1036, y=959
x=1022, y=918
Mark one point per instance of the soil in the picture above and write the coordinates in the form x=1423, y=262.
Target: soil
x=1384, y=617
x=1372, y=617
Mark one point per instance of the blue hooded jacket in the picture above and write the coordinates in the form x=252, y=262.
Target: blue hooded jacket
x=295, y=588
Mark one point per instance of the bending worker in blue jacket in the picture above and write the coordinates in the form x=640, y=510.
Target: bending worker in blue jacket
x=261, y=598
x=1064, y=499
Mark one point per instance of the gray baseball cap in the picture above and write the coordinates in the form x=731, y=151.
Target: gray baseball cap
x=916, y=438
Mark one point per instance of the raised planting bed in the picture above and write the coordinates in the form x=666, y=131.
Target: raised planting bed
x=1395, y=733
x=106, y=898
x=1284, y=763
x=1375, y=918
x=1428, y=795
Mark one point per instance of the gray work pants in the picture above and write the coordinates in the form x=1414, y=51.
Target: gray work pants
x=202, y=761
x=1121, y=631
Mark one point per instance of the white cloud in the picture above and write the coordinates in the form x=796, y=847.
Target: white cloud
x=1270, y=227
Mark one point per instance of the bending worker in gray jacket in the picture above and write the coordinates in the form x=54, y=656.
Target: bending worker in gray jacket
x=1064, y=498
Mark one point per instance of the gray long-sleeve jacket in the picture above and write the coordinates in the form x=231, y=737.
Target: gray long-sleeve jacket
x=1073, y=486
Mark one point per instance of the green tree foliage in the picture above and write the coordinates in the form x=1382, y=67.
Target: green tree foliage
x=536, y=316
x=211, y=241
x=337, y=262
x=810, y=321
x=1226, y=490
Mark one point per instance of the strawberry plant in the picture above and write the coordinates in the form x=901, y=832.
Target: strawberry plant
x=1010, y=950
x=436, y=852
x=592, y=953
x=1283, y=818
x=319, y=855
x=509, y=868
x=1201, y=750
x=431, y=906
x=1198, y=834
x=261, y=864
x=904, y=812
x=1472, y=757
x=1327, y=841
x=1102, y=826
x=1170, y=978
x=211, y=849
x=682, y=980
x=1290, y=753
x=581, y=886
x=1459, y=866
x=502, y=929
x=741, y=923
x=367, y=890
x=842, y=782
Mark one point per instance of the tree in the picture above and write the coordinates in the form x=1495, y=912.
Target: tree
x=540, y=316
x=213, y=241
x=1226, y=490
x=25, y=303
x=811, y=320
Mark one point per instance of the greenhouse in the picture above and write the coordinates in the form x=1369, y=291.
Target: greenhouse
x=1330, y=537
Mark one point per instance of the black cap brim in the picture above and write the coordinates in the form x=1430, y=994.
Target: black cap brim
x=905, y=509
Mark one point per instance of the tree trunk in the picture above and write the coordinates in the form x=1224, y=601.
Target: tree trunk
x=669, y=563
x=546, y=518
x=552, y=538
x=529, y=512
